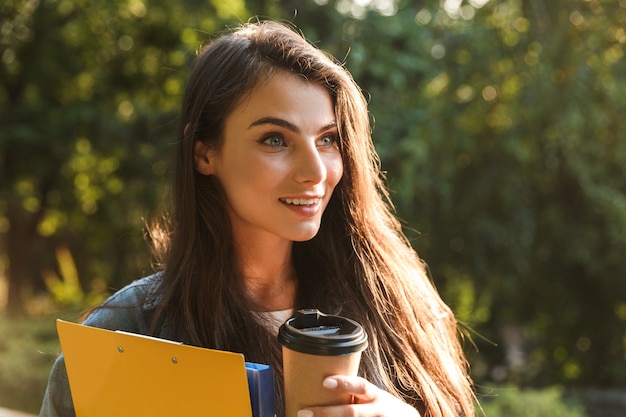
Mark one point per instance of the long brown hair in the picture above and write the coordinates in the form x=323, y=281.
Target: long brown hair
x=360, y=264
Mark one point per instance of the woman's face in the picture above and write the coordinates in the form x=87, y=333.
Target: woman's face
x=279, y=162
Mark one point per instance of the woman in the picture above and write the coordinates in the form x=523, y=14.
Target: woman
x=278, y=204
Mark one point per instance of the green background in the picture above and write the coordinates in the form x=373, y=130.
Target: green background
x=500, y=125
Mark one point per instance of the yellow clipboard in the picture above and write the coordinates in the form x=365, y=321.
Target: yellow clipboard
x=128, y=375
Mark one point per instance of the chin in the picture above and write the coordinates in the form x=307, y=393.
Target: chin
x=305, y=236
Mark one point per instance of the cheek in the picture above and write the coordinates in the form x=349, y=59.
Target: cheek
x=335, y=171
x=233, y=176
x=251, y=176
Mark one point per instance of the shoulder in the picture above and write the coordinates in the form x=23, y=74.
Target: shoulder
x=128, y=309
x=143, y=293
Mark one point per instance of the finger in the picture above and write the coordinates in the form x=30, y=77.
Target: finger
x=332, y=411
x=362, y=390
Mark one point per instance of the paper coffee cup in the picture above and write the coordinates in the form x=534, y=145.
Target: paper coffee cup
x=315, y=346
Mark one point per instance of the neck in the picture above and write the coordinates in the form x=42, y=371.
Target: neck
x=268, y=274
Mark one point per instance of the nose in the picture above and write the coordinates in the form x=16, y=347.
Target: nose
x=310, y=165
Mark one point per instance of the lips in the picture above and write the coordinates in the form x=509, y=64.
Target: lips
x=300, y=201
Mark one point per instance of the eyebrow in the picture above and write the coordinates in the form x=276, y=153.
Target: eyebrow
x=287, y=125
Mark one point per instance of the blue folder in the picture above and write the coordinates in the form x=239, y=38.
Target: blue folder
x=261, y=386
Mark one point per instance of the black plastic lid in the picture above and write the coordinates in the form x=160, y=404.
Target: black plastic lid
x=315, y=333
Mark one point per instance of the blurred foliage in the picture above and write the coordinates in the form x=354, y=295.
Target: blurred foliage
x=66, y=289
x=501, y=131
x=27, y=350
x=499, y=124
x=548, y=402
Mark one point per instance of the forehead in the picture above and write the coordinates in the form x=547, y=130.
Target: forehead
x=286, y=93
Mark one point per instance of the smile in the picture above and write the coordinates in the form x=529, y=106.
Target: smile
x=300, y=201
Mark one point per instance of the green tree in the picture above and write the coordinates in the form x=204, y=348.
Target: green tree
x=500, y=128
x=89, y=95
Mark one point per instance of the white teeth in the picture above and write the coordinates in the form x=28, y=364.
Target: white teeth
x=300, y=201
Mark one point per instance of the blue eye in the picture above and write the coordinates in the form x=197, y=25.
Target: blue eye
x=273, y=141
x=329, y=140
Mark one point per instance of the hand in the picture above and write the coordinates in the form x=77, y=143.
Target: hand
x=369, y=401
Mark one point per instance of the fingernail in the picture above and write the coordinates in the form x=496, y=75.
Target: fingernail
x=330, y=383
x=305, y=413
